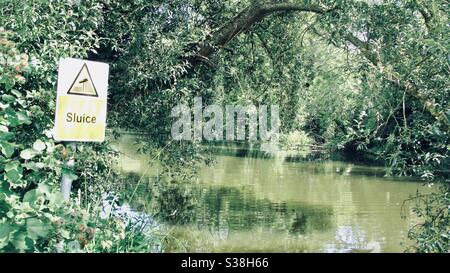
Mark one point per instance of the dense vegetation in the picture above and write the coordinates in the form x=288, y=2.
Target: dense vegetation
x=363, y=78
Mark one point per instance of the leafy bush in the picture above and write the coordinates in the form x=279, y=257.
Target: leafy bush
x=432, y=234
x=33, y=216
x=296, y=140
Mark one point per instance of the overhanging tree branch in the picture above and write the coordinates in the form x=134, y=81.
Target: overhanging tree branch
x=404, y=84
x=254, y=14
x=245, y=20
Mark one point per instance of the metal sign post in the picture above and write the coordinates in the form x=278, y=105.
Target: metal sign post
x=66, y=181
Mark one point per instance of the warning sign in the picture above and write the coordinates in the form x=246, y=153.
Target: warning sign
x=83, y=85
x=81, y=100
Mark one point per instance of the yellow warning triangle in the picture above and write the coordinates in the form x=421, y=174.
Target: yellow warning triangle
x=83, y=84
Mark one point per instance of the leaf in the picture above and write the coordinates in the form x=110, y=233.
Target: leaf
x=39, y=145
x=73, y=247
x=37, y=228
x=13, y=172
x=8, y=98
x=5, y=135
x=4, y=188
x=13, y=176
x=28, y=154
x=19, y=241
x=31, y=196
x=23, y=118
x=3, y=106
x=35, y=166
x=16, y=93
x=56, y=199
x=11, y=117
x=5, y=230
x=44, y=188
x=7, y=149
x=13, y=165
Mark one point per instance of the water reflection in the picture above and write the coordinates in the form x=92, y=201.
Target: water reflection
x=239, y=209
x=272, y=204
x=345, y=207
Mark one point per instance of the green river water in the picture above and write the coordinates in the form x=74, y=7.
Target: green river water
x=253, y=204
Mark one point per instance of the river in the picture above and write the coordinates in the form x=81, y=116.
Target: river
x=254, y=204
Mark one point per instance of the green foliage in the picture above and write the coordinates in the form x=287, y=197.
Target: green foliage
x=26, y=204
x=173, y=201
x=33, y=216
x=297, y=140
x=432, y=234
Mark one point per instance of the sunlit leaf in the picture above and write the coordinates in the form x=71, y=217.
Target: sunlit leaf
x=7, y=149
x=28, y=154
